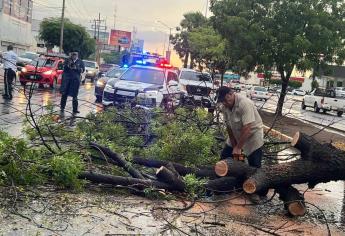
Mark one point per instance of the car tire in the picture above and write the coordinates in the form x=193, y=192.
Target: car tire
x=324, y=111
x=265, y=99
x=340, y=113
x=316, y=108
x=41, y=86
x=22, y=83
x=92, y=79
x=303, y=106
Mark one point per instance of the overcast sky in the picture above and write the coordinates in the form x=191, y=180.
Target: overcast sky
x=141, y=14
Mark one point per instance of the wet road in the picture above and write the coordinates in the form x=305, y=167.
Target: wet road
x=12, y=113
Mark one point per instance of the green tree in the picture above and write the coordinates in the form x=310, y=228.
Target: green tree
x=282, y=35
x=191, y=21
x=208, y=48
x=75, y=36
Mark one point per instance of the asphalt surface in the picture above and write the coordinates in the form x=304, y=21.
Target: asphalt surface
x=12, y=113
x=292, y=109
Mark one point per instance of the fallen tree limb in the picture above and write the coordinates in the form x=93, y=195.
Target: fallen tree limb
x=323, y=164
x=181, y=169
x=229, y=167
x=118, y=160
x=167, y=176
x=293, y=200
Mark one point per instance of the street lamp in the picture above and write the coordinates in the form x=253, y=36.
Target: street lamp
x=170, y=29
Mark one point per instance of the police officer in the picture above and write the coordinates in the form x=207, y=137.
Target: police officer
x=73, y=68
x=10, y=66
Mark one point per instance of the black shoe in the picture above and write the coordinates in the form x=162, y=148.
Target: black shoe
x=6, y=97
x=76, y=112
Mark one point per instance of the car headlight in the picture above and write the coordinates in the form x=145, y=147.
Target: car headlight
x=49, y=72
x=108, y=86
x=100, y=83
x=24, y=70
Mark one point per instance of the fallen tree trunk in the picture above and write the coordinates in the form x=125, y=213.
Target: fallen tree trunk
x=181, y=169
x=118, y=160
x=322, y=164
x=293, y=200
x=229, y=167
x=167, y=176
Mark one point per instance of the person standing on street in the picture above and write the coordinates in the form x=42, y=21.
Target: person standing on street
x=244, y=126
x=10, y=66
x=73, y=67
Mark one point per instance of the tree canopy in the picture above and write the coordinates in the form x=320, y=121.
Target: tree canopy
x=75, y=36
x=190, y=22
x=282, y=35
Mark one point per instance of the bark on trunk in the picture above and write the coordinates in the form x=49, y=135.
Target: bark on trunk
x=167, y=176
x=117, y=159
x=233, y=168
x=293, y=200
x=185, y=62
x=322, y=164
x=279, y=110
x=182, y=170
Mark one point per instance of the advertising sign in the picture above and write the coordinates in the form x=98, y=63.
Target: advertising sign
x=120, y=38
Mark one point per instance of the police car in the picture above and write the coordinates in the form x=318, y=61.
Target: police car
x=144, y=86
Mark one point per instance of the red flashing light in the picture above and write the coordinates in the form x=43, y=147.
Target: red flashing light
x=163, y=65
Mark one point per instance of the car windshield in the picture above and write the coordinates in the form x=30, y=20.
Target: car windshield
x=29, y=55
x=43, y=62
x=195, y=76
x=144, y=75
x=260, y=89
x=90, y=64
x=115, y=73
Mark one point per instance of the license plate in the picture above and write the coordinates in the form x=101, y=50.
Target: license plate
x=125, y=93
x=32, y=77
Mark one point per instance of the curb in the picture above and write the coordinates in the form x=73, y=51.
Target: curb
x=277, y=134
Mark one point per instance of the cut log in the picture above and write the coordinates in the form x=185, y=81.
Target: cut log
x=118, y=160
x=293, y=200
x=229, y=167
x=303, y=143
x=181, y=169
x=167, y=176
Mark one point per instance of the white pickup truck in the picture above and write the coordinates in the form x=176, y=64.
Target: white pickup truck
x=325, y=100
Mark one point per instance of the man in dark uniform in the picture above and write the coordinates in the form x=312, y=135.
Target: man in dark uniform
x=73, y=67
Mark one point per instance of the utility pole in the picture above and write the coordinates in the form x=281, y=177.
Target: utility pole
x=62, y=25
x=206, y=10
x=115, y=15
x=98, y=26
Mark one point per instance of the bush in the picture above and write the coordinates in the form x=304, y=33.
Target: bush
x=66, y=169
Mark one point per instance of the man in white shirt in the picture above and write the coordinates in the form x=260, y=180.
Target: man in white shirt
x=10, y=65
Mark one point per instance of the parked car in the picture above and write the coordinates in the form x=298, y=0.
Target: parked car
x=91, y=71
x=43, y=70
x=259, y=93
x=298, y=92
x=325, y=100
x=114, y=73
x=339, y=92
x=144, y=86
x=199, y=88
x=104, y=68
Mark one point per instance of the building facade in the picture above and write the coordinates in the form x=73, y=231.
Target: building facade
x=15, y=25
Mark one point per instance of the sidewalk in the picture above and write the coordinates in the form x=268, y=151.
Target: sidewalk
x=290, y=126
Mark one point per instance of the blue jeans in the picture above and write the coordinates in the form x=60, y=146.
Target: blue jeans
x=254, y=159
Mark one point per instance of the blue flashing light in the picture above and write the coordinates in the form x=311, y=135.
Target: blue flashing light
x=125, y=66
x=140, y=62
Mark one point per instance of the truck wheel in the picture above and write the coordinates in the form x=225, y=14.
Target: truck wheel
x=303, y=106
x=340, y=113
x=316, y=108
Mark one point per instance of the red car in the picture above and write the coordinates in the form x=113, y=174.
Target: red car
x=49, y=69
